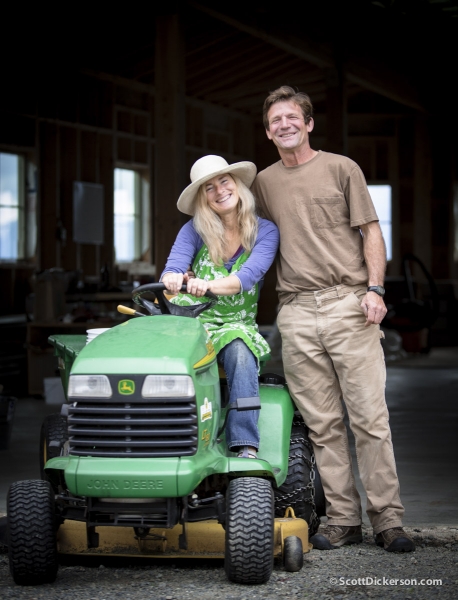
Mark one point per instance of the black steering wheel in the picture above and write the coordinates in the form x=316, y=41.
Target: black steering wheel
x=168, y=308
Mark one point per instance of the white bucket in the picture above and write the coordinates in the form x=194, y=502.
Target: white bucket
x=93, y=333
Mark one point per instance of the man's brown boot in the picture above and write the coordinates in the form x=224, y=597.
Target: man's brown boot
x=395, y=540
x=330, y=537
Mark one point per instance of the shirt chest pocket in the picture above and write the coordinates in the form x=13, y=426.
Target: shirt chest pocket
x=328, y=211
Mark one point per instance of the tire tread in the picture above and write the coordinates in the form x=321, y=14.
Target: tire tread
x=32, y=546
x=249, y=531
x=295, y=491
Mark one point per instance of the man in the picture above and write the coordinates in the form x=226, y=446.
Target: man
x=330, y=273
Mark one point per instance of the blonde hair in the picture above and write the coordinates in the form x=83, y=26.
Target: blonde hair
x=210, y=227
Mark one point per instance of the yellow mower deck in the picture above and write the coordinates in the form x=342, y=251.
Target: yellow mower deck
x=205, y=540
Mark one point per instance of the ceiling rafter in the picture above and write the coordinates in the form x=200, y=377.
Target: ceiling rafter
x=254, y=103
x=377, y=78
x=206, y=45
x=263, y=83
x=221, y=58
x=236, y=74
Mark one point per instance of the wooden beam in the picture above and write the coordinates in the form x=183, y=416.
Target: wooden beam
x=48, y=196
x=219, y=60
x=169, y=179
x=118, y=80
x=261, y=83
x=375, y=76
x=250, y=70
x=255, y=100
x=208, y=44
x=137, y=68
x=317, y=54
x=368, y=73
x=422, y=191
x=442, y=158
x=336, y=112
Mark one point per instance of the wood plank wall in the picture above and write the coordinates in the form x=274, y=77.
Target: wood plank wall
x=84, y=125
x=83, y=136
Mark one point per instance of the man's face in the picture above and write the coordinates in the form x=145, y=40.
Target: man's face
x=287, y=128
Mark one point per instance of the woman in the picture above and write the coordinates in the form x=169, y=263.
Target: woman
x=230, y=250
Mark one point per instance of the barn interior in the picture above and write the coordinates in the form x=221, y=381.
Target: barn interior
x=102, y=116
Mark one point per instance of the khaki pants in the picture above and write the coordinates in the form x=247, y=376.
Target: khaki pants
x=329, y=355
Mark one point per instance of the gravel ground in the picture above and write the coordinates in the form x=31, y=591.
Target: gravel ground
x=325, y=575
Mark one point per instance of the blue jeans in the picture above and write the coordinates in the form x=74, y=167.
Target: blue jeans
x=241, y=369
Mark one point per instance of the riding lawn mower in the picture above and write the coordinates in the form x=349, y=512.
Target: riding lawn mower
x=136, y=463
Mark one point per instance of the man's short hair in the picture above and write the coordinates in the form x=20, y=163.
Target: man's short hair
x=284, y=93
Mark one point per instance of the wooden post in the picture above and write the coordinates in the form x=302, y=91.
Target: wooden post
x=170, y=176
x=48, y=196
x=406, y=149
x=442, y=199
x=422, y=191
x=336, y=111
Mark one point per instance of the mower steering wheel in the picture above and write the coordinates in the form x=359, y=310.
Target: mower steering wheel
x=166, y=307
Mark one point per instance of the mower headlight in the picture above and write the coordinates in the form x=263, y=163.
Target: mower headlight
x=168, y=386
x=92, y=386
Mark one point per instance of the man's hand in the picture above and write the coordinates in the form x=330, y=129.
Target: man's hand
x=374, y=308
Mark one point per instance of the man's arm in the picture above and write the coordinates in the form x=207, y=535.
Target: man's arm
x=375, y=256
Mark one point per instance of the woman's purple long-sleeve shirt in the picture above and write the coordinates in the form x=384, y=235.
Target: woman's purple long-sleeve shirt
x=189, y=242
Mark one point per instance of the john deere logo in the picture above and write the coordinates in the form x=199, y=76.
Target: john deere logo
x=126, y=387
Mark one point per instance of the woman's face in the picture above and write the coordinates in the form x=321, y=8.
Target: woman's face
x=222, y=195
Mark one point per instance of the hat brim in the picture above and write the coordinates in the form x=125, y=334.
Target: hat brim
x=246, y=171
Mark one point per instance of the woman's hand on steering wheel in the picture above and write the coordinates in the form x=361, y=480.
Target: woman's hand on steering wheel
x=198, y=287
x=173, y=281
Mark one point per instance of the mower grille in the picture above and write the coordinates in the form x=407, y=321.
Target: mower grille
x=132, y=428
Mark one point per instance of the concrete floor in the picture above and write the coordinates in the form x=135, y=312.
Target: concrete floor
x=422, y=396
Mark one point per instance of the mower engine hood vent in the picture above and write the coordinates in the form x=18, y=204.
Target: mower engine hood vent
x=130, y=426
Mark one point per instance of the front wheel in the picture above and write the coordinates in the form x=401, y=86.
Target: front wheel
x=32, y=546
x=249, y=530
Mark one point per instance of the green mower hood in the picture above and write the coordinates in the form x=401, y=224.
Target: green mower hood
x=159, y=344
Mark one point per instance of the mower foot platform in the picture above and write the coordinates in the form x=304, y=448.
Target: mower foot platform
x=206, y=539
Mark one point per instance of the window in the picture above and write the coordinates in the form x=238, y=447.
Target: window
x=381, y=197
x=131, y=216
x=12, y=207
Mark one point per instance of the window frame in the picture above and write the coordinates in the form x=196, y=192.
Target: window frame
x=21, y=208
x=141, y=215
x=379, y=183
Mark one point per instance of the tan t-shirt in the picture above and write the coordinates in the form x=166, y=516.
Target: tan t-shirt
x=318, y=207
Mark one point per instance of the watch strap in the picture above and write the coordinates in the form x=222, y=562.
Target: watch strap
x=378, y=289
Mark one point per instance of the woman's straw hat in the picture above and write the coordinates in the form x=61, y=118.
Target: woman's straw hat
x=208, y=167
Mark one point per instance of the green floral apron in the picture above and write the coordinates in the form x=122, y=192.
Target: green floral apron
x=233, y=316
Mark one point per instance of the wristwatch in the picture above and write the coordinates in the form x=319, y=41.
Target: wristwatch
x=378, y=289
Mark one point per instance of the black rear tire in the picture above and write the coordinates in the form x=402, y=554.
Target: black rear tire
x=53, y=436
x=249, y=531
x=298, y=491
x=293, y=554
x=32, y=546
